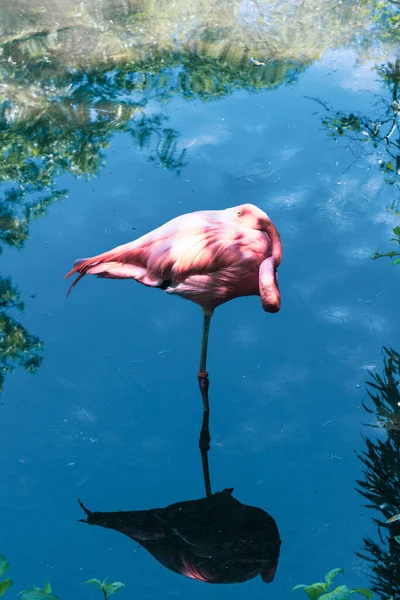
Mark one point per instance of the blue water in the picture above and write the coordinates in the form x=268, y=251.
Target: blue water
x=113, y=413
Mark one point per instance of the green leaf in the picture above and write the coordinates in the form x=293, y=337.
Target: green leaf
x=329, y=577
x=37, y=595
x=313, y=591
x=340, y=593
x=396, y=230
x=47, y=587
x=300, y=586
x=4, y=585
x=397, y=538
x=396, y=517
x=113, y=588
x=396, y=262
x=3, y=565
x=363, y=591
x=95, y=582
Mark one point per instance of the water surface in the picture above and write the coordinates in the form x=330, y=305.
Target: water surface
x=115, y=117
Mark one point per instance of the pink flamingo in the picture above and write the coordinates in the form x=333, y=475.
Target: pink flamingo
x=208, y=257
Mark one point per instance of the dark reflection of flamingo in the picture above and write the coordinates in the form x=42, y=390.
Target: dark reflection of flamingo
x=208, y=257
x=216, y=539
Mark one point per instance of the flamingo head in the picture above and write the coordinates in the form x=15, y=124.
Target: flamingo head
x=247, y=215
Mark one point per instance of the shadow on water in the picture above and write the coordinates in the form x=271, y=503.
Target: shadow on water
x=381, y=484
x=215, y=539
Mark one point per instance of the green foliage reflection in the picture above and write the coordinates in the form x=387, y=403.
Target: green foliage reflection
x=17, y=346
x=377, y=136
x=393, y=253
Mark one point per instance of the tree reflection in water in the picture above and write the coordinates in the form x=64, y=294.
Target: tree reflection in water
x=17, y=346
x=377, y=136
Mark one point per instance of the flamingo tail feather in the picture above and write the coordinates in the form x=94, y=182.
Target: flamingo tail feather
x=111, y=269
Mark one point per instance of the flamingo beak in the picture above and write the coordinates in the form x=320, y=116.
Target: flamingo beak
x=269, y=287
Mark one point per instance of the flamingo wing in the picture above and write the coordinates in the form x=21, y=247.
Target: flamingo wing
x=138, y=251
x=210, y=249
x=192, y=244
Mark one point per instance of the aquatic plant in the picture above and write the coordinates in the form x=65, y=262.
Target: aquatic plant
x=44, y=593
x=38, y=593
x=381, y=482
x=320, y=589
x=5, y=583
x=393, y=520
x=108, y=589
x=314, y=591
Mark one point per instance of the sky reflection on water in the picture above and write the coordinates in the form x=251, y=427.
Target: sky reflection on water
x=115, y=122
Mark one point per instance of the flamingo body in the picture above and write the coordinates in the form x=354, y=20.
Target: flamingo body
x=208, y=257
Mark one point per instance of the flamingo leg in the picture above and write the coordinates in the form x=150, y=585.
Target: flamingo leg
x=204, y=342
x=202, y=374
x=204, y=441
